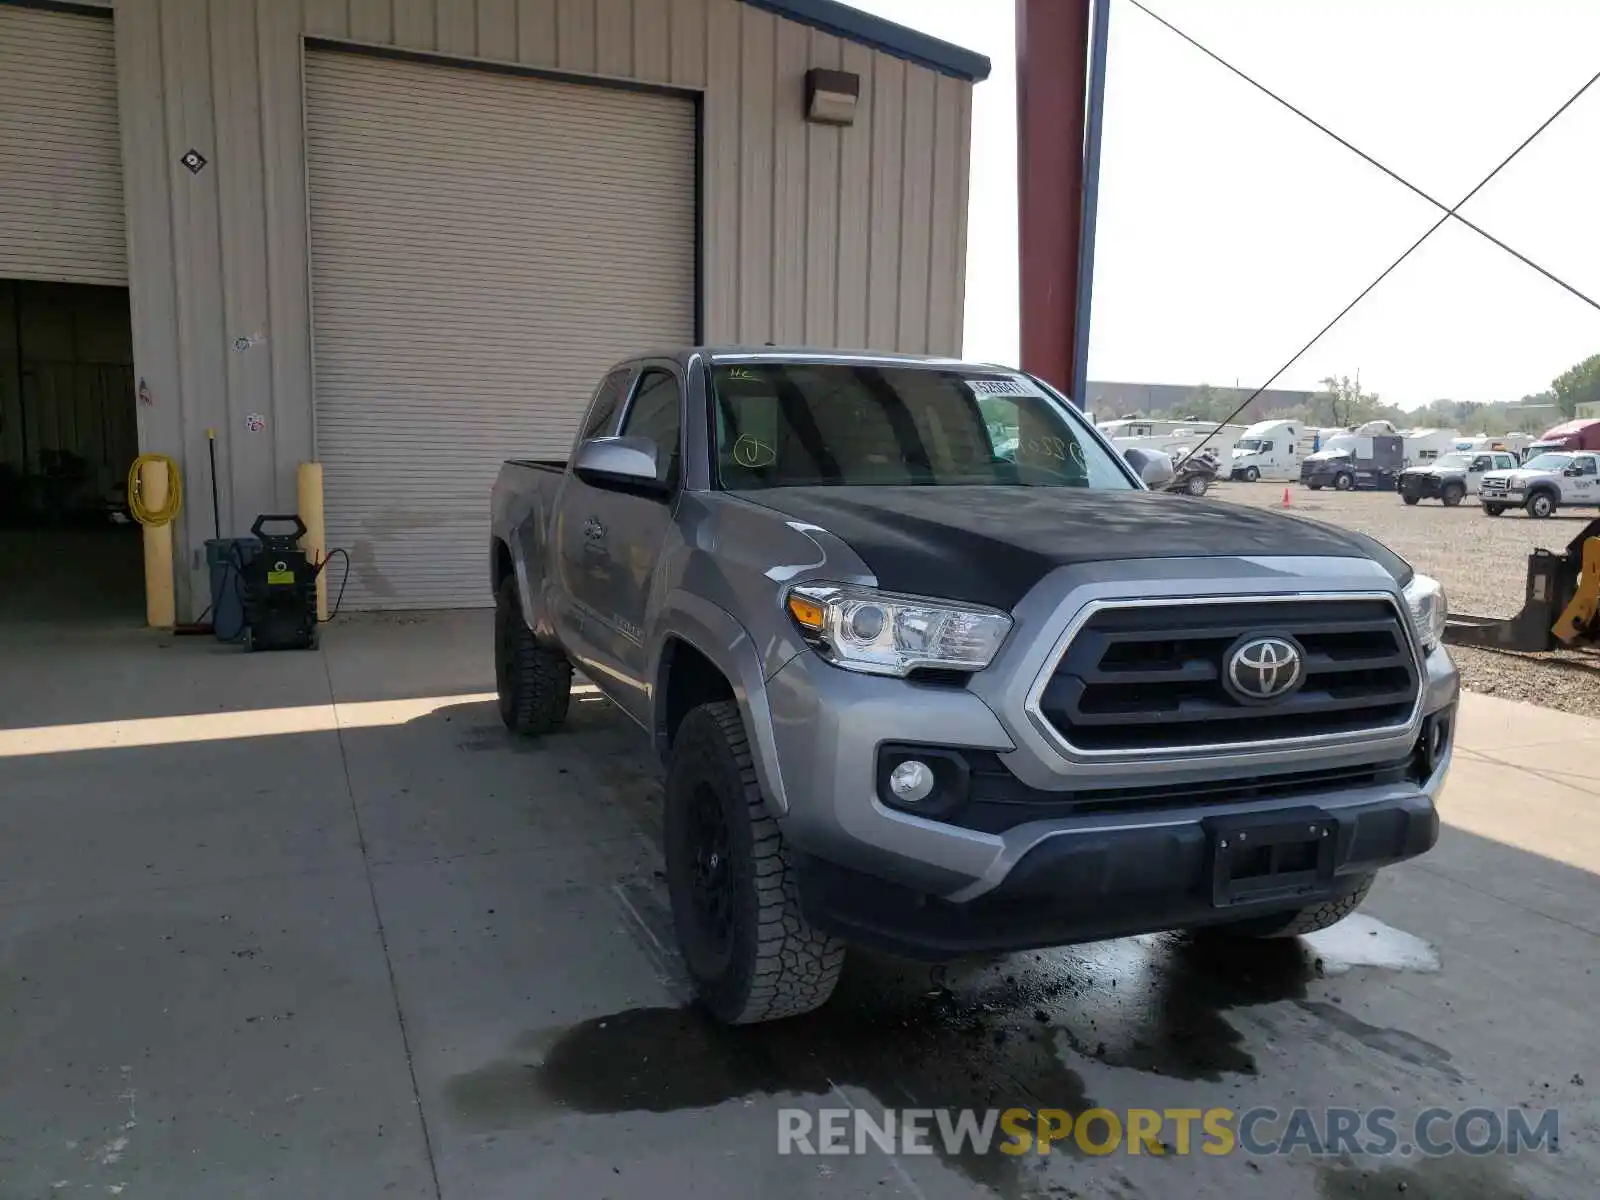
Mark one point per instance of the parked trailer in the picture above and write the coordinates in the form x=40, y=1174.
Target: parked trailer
x=1423, y=446
x=1356, y=462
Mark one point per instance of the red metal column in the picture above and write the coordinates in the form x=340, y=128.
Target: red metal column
x=1052, y=74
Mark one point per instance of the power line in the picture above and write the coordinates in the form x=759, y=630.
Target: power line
x=1360, y=153
x=1387, y=271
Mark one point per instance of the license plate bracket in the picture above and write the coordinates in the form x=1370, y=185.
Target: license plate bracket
x=1280, y=855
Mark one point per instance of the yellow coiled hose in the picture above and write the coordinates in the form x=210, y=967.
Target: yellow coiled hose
x=136, y=506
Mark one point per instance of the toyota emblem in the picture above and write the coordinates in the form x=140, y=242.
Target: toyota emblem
x=1264, y=668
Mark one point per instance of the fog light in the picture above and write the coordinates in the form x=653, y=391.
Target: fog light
x=911, y=781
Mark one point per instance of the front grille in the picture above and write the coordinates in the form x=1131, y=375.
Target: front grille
x=1148, y=677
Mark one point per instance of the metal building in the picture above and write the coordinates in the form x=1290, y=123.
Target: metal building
x=402, y=237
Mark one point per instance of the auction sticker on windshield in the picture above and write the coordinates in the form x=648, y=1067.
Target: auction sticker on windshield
x=1002, y=387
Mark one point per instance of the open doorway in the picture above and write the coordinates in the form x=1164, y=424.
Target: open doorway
x=68, y=434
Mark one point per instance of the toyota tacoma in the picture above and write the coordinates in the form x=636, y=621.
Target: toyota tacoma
x=931, y=669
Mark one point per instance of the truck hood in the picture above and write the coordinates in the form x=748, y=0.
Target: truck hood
x=1434, y=470
x=1328, y=456
x=990, y=545
x=1520, y=475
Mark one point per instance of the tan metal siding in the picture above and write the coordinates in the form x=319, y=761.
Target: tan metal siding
x=757, y=58
x=483, y=246
x=803, y=227
x=820, y=216
x=60, y=151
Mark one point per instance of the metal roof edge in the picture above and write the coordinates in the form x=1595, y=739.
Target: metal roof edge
x=842, y=20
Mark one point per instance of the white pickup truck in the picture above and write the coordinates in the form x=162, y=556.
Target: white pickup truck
x=1453, y=476
x=1546, y=482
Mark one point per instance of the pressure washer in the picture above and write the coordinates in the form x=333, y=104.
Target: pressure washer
x=278, y=587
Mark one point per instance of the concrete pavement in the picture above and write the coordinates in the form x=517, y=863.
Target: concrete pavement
x=311, y=924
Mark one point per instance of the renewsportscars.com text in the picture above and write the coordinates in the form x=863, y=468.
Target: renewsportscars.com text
x=1376, y=1132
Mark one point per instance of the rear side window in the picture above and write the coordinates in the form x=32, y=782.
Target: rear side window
x=602, y=416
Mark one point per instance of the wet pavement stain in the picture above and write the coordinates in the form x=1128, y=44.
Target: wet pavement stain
x=1002, y=1032
x=911, y=1037
x=1396, y=1043
x=1156, y=1004
x=1454, y=1177
x=999, y=1033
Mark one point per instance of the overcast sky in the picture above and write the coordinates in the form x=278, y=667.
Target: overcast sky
x=1231, y=230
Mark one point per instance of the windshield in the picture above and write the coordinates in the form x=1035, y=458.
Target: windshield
x=1548, y=462
x=1247, y=445
x=800, y=424
x=1453, y=460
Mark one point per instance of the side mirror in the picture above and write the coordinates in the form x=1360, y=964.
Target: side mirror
x=1152, y=466
x=624, y=464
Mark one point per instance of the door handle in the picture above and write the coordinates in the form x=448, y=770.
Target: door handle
x=593, y=530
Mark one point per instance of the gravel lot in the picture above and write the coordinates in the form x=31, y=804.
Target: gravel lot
x=1483, y=565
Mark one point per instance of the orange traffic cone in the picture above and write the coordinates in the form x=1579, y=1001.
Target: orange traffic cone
x=1286, y=497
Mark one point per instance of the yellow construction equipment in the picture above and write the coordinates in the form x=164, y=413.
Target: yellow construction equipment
x=1559, y=609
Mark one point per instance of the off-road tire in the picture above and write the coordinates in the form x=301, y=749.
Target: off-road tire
x=1541, y=505
x=776, y=964
x=1251, y=474
x=1410, y=498
x=1344, y=482
x=1493, y=510
x=534, y=681
x=1295, y=923
x=1452, y=494
x=1196, y=486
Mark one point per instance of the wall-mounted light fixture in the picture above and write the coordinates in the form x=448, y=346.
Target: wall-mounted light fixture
x=831, y=96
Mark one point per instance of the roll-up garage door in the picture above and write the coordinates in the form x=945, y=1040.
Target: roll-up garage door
x=60, y=155
x=483, y=246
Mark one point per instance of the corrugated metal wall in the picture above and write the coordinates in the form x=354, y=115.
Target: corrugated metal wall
x=817, y=235
x=60, y=162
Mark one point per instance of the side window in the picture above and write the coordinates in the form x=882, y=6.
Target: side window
x=1586, y=465
x=1504, y=462
x=1482, y=463
x=1266, y=447
x=607, y=400
x=654, y=414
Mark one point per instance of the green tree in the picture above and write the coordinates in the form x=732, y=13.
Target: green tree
x=1341, y=402
x=1577, y=385
x=1207, y=403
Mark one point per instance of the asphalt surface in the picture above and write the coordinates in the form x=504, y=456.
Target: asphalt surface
x=313, y=924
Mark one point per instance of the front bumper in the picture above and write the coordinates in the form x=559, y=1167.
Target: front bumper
x=1425, y=487
x=1091, y=884
x=1130, y=860
x=1320, y=476
x=1514, y=494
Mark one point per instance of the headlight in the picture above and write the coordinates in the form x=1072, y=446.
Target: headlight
x=1425, y=599
x=863, y=629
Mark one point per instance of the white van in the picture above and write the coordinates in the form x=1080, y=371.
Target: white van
x=1267, y=450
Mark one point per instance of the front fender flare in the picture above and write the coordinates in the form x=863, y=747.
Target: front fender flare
x=718, y=635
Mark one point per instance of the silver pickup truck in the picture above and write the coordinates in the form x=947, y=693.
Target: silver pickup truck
x=931, y=669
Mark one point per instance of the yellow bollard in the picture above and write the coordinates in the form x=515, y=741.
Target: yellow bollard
x=160, y=602
x=315, y=542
